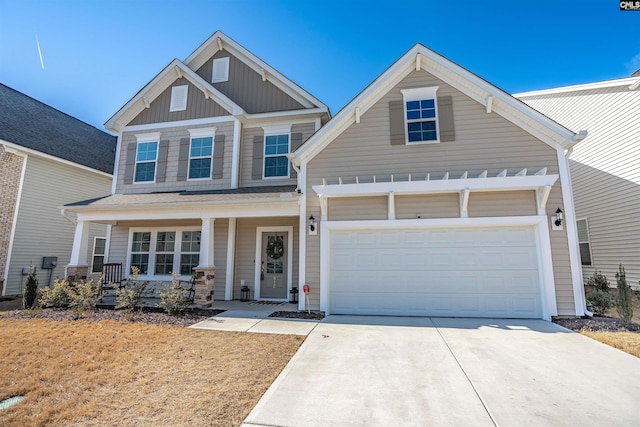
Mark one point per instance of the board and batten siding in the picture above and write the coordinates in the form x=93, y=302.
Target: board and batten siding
x=246, y=250
x=173, y=135
x=246, y=88
x=247, y=155
x=198, y=107
x=40, y=229
x=482, y=142
x=605, y=171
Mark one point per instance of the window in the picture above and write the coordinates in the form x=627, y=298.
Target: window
x=276, y=148
x=200, y=157
x=220, y=70
x=420, y=113
x=583, y=241
x=146, y=155
x=179, y=98
x=99, y=246
x=164, y=251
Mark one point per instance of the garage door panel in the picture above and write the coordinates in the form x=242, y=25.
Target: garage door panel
x=490, y=272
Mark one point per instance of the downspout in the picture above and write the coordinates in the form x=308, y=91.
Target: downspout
x=66, y=216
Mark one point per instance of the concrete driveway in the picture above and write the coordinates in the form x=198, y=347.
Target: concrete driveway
x=392, y=371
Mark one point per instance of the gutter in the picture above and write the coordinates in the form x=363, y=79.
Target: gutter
x=66, y=216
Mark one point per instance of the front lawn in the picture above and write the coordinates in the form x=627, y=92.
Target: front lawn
x=132, y=373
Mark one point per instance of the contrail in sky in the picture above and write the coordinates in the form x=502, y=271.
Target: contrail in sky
x=39, y=52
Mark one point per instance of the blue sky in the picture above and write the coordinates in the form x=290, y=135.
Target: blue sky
x=99, y=54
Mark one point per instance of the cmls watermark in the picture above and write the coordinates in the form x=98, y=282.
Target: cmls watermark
x=630, y=5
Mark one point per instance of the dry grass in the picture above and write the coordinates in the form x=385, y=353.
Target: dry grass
x=628, y=342
x=117, y=373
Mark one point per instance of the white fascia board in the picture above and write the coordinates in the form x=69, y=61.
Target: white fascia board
x=155, y=87
x=271, y=207
x=21, y=151
x=581, y=87
x=508, y=183
x=179, y=123
x=202, y=54
x=288, y=113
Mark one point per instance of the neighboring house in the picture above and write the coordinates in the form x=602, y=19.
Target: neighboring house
x=605, y=169
x=432, y=193
x=47, y=159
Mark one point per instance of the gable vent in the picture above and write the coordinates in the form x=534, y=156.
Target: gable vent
x=220, y=70
x=179, y=98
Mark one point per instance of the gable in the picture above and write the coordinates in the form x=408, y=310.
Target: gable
x=246, y=87
x=197, y=106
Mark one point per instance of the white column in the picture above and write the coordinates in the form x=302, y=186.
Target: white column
x=231, y=259
x=80, y=245
x=206, y=243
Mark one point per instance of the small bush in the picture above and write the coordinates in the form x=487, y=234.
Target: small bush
x=30, y=289
x=131, y=295
x=173, y=298
x=83, y=297
x=599, y=281
x=624, y=304
x=601, y=301
x=58, y=296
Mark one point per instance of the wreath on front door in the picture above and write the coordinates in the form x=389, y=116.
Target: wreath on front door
x=275, y=249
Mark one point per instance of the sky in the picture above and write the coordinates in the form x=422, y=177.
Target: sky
x=88, y=58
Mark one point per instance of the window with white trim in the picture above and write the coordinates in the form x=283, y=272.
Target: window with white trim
x=583, y=241
x=97, y=258
x=201, y=153
x=421, y=115
x=146, y=157
x=179, y=96
x=220, y=70
x=276, y=147
x=162, y=251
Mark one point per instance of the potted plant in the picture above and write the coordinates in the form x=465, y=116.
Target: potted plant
x=589, y=306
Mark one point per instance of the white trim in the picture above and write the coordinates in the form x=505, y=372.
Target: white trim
x=207, y=244
x=580, y=87
x=148, y=137
x=12, y=235
x=179, y=95
x=201, y=133
x=107, y=247
x=545, y=260
x=231, y=259
x=224, y=76
x=259, y=230
x=279, y=129
x=270, y=131
x=152, y=250
x=235, y=153
x=420, y=94
x=178, y=123
x=302, y=226
x=116, y=166
x=144, y=140
x=80, y=245
x=23, y=151
x=579, y=298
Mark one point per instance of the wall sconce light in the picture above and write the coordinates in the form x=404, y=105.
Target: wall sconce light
x=557, y=220
x=313, y=227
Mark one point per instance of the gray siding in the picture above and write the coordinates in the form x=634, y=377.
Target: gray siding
x=246, y=156
x=40, y=229
x=198, y=107
x=246, y=88
x=502, y=203
x=174, y=135
x=246, y=250
x=428, y=206
x=483, y=142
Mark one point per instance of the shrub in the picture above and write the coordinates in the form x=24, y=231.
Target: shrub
x=30, y=289
x=58, y=296
x=173, y=298
x=601, y=301
x=623, y=299
x=599, y=281
x=130, y=296
x=83, y=297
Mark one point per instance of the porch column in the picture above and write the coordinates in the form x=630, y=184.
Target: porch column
x=78, y=266
x=231, y=259
x=206, y=243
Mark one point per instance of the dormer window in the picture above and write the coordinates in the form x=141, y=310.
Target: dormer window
x=220, y=70
x=179, y=98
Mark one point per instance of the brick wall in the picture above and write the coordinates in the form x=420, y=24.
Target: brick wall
x=10, y=171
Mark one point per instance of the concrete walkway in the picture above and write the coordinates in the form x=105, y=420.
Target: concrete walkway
x=382, y=371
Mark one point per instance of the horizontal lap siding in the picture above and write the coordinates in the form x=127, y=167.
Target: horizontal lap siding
x=483, y=142
x=246, y=250
x=428, y=206
x=198, y=107
x=502, y=203
x=41, y=230
x=174, y=135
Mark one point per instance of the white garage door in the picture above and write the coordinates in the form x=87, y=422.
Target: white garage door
x=462, y=272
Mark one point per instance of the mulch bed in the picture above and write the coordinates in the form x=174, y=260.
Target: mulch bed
x=597, y=324
x=314, y=315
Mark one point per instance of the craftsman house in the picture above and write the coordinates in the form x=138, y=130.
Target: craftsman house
x=431, y=193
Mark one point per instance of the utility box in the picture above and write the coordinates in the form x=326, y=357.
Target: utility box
x=49, y=262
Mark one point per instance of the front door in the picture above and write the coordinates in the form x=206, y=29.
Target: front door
x=273, y=267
